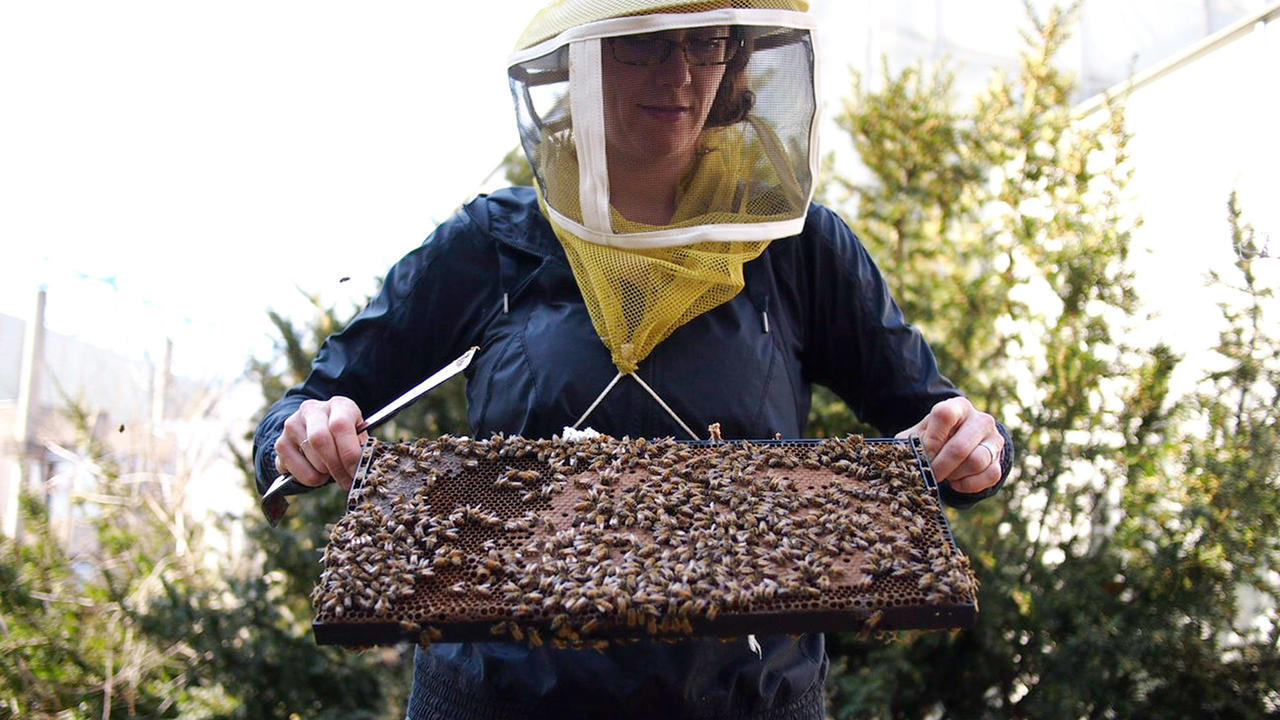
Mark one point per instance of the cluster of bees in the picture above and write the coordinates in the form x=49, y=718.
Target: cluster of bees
x=573, y=542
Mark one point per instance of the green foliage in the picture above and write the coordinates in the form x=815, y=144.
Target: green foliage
x=830, y=417
x=1115, y=562
x=77, y=592
x=257, y=649
x=136, y=623
x=515, y=167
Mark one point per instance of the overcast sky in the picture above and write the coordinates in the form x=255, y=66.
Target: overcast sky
x=175, y=168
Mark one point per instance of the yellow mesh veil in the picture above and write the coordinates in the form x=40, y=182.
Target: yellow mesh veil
x=638, y=296
x=749, y=181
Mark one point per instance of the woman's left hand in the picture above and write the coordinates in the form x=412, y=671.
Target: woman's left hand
x=962, y=443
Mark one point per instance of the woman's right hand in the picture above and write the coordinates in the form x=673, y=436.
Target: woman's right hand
x=320, y=441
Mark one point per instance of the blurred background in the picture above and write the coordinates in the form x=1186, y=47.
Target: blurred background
x=1077, y=204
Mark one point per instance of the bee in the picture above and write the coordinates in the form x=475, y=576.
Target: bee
x=873, y=621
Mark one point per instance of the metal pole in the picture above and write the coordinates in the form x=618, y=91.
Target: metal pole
x=24, y=468
x=160, y=385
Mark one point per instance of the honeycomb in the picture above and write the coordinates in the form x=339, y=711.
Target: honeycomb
x=590, y=541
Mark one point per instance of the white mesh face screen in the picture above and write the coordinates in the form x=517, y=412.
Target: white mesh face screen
x=669, y=129
x=541, y=91
x=670, y=147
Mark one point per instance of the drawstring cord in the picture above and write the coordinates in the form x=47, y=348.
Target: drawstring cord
x=670, y=412
x=643, y=384
x=607, y=388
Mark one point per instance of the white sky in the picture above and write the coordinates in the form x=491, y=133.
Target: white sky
x=175, y=168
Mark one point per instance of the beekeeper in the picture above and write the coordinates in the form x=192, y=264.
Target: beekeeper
x=668, y=271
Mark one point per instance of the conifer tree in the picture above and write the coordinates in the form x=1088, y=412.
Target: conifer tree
x=1003, y=231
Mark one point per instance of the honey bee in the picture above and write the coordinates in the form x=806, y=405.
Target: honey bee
x=873, y=620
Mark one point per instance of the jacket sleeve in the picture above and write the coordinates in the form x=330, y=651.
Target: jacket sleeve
x=432, y=306
x=859, y=344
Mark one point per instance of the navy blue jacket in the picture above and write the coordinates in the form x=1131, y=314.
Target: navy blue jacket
x=815, y=310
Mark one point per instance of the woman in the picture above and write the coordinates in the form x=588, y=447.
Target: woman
x=668, y=273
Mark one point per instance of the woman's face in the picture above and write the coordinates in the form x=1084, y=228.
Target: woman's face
x=655, y=112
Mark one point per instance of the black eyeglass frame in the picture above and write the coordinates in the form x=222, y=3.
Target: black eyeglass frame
x=732, y=46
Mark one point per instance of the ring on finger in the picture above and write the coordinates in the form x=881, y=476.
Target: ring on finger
x=991, y=450
x=304, y=444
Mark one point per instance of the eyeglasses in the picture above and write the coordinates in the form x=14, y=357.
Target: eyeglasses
x=654, y=50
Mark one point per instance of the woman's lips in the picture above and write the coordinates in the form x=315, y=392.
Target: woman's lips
x=665, y=112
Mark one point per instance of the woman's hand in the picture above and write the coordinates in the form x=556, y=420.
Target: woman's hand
x=320, y=441
x=962, y=444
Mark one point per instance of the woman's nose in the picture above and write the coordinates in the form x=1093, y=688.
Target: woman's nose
x=674, y=71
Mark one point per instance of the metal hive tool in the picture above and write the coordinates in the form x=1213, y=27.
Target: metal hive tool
x=584, y=542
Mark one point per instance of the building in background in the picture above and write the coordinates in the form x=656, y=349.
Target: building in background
x=1113, y=40
x=1203, y=122
x=169, y=436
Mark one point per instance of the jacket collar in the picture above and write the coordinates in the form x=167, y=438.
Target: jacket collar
x=512, y=217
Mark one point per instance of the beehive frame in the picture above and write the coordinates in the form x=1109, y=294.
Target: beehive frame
x=459, y=539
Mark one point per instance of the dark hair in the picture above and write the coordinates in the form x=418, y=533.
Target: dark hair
x=733, y=99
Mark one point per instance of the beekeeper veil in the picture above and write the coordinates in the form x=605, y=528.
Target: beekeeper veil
x=670, y=143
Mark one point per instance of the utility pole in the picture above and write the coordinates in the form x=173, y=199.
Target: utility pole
x=160, y=379
x=24, y=467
